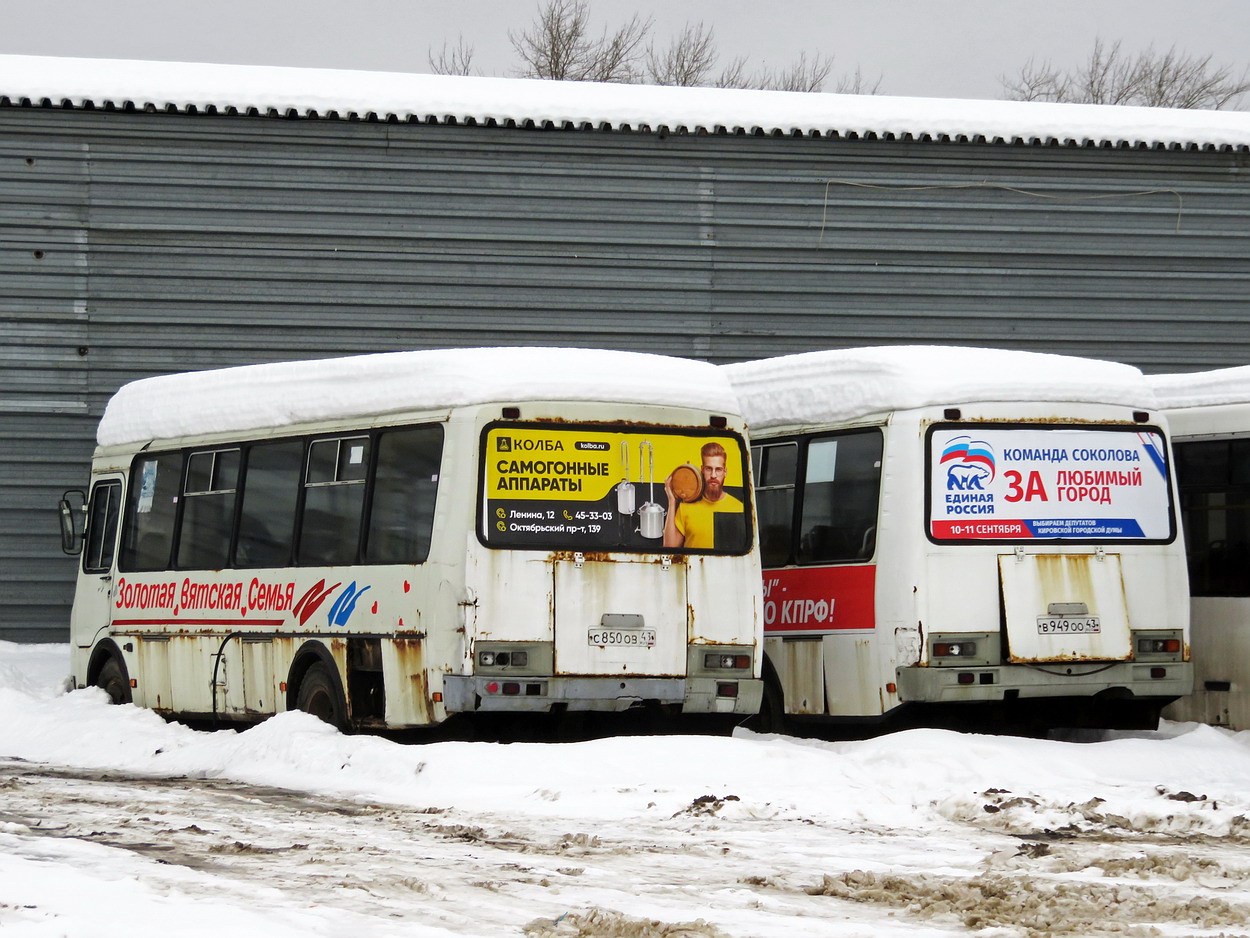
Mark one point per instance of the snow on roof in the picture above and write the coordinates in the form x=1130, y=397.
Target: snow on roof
x=314, y=92
x=846, y=384
x=256, y=397
x=1202, y=388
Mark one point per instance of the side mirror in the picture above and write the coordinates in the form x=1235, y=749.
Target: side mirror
x=73, y=514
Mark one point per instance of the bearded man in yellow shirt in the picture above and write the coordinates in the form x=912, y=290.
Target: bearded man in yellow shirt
x=692, y=524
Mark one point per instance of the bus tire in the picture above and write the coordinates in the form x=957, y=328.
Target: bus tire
x=319, y=696
x=112, y=679
x=772, y=715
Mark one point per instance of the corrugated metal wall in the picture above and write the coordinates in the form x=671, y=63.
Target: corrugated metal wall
x=140, y=243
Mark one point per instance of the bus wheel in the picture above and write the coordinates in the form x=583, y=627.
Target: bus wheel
x=112, y=678
x=319, y=695
x=772, y=715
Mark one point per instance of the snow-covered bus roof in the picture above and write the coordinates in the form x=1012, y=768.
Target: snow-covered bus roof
x=282, y=394
x=332, y=93
x=816, y=388
x=1202, y=388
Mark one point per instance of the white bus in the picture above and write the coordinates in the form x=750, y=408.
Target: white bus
x=1209, y=415
x=952, y=526
x=387, y=540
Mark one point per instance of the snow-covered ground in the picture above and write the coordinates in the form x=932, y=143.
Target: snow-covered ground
x=113, y=822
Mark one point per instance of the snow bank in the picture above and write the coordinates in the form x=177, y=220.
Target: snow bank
x=1203, y=388
x=843, y=384
x=36, y=671
x=922, y=833
x=312, y=91
x=915, y=779
x=253, y=397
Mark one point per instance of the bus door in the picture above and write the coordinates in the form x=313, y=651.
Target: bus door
x=620, y=616
x=93, y=602
x=1064, y=607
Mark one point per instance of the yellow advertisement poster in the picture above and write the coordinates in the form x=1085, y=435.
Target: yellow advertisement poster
x=590, y=488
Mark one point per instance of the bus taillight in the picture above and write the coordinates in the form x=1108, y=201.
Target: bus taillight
x=726, y=662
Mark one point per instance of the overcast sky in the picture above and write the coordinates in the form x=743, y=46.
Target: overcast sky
x=945, y=48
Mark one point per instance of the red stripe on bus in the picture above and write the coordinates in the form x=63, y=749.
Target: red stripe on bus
x=272, y=622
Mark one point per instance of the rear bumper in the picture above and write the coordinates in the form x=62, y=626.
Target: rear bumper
x=540, y=694
x=1057, y=679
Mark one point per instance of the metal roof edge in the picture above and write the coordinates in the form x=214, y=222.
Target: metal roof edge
x=329, y=94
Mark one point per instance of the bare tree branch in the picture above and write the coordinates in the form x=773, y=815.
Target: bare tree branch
x=801, y=75
x=616, y=56
x=1148, y=79
x=548, y=48
x=687, y=61
x=558, y=45
x=734, y=75
x=453, y=61
x=1036, y=82
x=856, y=83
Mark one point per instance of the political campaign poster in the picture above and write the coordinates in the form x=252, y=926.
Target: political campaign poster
x=1090, y=484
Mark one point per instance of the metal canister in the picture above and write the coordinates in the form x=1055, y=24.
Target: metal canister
x=651, y=520
x=625, y=489
x=650, y=515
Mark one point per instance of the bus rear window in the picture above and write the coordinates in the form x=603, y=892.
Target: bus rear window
x=590, y=488
x=989, y=483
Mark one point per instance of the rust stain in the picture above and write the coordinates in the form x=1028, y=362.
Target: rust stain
x=1064, y=419
x=568, y=556
x=1066, y=578
x=410, y=656
x=1073, y=658
x=648, y=424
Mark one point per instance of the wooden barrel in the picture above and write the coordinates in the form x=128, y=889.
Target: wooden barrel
x=686, y=483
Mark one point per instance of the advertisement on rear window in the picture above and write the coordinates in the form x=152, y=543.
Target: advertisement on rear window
x=987, y=483
x=596, y=489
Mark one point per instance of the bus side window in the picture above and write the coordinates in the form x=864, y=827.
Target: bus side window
x=151, y=509
x=1214, y=479
x=840, y=493
x=774, y=466
x=208, y=509
x=334, y=501
x=404, y=488
x=101, y=537
x=271, y=483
